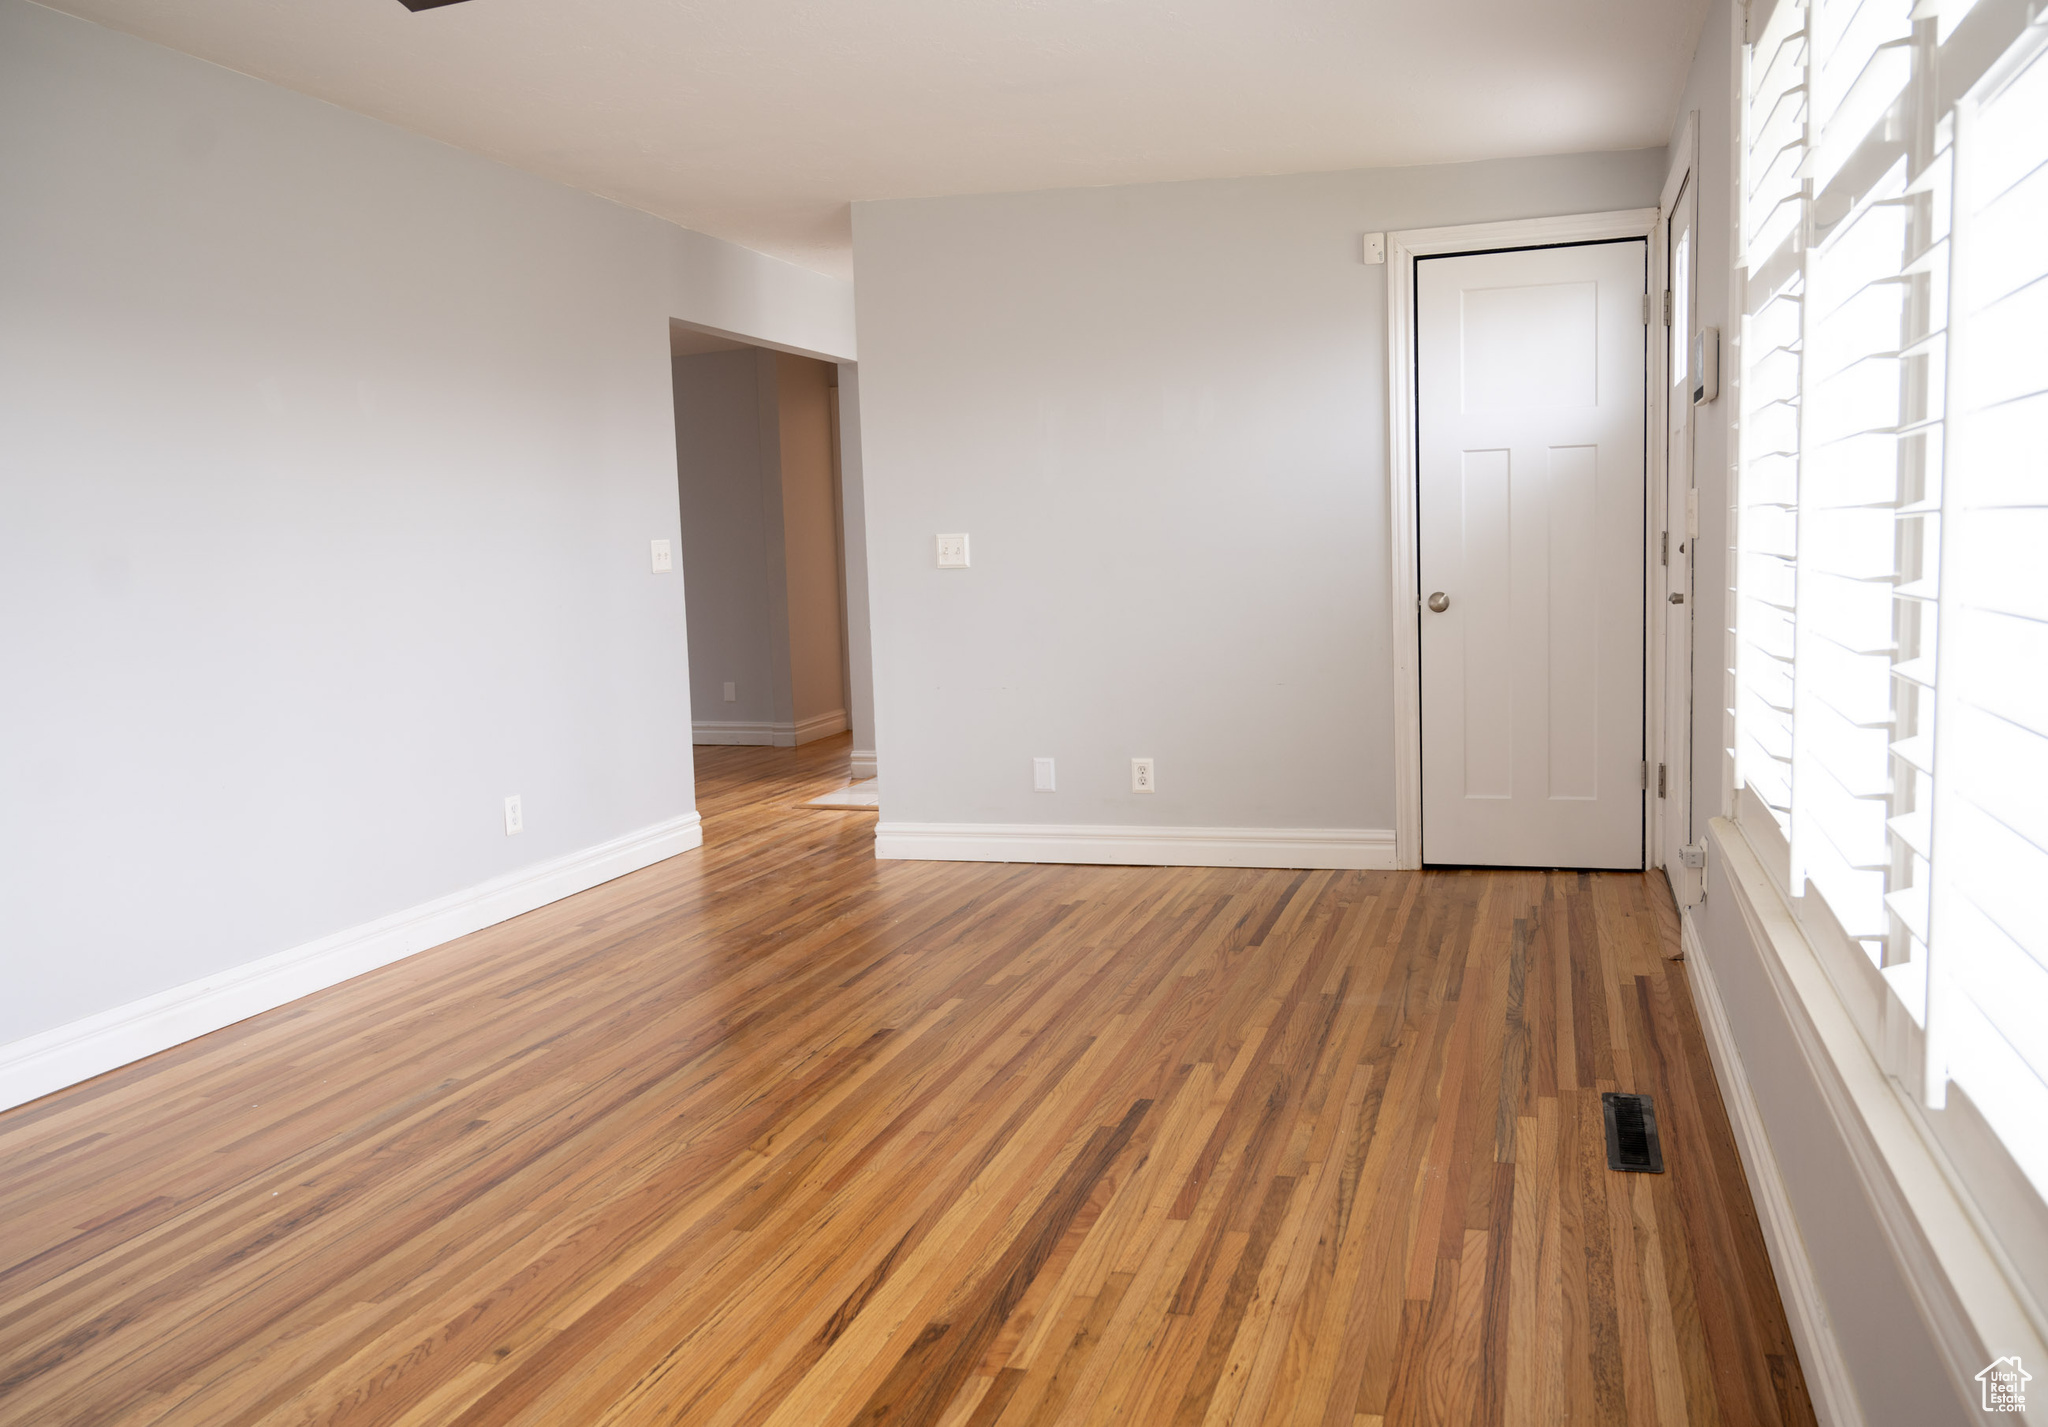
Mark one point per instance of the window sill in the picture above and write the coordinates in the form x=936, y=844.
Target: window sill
x=1966, y=1288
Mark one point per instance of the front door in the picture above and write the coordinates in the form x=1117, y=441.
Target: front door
x=1530, y=423
x=1671, y=774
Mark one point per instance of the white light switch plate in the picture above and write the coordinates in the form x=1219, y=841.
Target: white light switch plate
x=1375, y=248
x=952, y=552
x=1041, y=775
x=1142, y=779
x=515, y=818
x=664, y=557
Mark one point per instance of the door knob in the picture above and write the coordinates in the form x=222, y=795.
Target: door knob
x=1439, y=602
x=1677, y=598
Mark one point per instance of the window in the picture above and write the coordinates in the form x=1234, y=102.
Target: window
x=1890, y=651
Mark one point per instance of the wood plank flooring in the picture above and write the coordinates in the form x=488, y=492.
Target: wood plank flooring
x=774, y=1135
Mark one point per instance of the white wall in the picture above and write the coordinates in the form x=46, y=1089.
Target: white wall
x=331, y=459
x=1159, y=413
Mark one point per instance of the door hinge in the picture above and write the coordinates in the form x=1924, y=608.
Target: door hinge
x=1646, y=309
x=1667, y=307
x=1664, y=548
x=1660, y=781
x=1643, y=775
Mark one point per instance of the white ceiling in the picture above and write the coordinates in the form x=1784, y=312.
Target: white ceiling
x=760, y=120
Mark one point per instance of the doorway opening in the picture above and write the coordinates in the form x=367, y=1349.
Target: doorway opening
x=773, y=552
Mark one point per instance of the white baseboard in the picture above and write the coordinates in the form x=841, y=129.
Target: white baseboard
x=864, y=765
x=1137, y=846
x=752, y=735
x=810, y=730
x=1828, y=1381
x=759, y=734
x=65, y=1055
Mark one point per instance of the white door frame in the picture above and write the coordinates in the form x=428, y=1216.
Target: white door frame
x=1403, y=249
x=1669, y=746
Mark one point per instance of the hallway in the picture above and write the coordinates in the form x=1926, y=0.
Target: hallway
x=773, y=1133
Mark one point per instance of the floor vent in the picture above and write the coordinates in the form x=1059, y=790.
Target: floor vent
x=1632, y=1134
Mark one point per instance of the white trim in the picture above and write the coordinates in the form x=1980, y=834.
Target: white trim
x=1341, y=848
x=810, y=730
x=67, y=1054
x=863, y=764
x=1663, y=745
x=1820, y=1351
x=736, y=731
x=1403, y=248
x=1958, y=1281
x=761, y=734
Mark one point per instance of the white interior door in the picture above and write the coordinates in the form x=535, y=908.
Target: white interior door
x=1530, y=426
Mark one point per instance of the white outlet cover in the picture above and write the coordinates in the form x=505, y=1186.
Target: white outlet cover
x=663, y=555
x=515, y=817
x=1375, y=248
x=732, y=691
x=1041, y=775
x=952, y=552
x=1142, y=778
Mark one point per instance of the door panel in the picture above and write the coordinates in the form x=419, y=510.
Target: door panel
x=1530, y=423
x=1674, y=806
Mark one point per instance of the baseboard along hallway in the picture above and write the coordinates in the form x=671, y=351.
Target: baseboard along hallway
x=774, y=1133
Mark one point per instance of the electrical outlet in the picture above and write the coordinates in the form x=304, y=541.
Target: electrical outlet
x=952, y=552
x=732, y=692
x=515, y=819
x=1041, y=775
x=1142, y=779
x=664, y=556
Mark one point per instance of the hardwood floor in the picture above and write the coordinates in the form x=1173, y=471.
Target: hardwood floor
x=773, y=1134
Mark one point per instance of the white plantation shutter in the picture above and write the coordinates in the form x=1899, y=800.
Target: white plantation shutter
x=1989, y=836
x=1767, y=522
x=1891, y=619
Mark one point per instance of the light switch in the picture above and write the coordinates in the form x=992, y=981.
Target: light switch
x=1375, y=248
x=952, y=552
x=1041, y=775
x=664, y=557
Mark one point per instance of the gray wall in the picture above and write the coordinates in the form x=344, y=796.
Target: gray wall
x=1159, y=413
x=726, y=534
x=761, y=551
x=329, y=458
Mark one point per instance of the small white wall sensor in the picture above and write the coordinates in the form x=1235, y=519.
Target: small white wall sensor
x=1706, y=365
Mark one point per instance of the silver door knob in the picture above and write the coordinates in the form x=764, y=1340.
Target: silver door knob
x=1439, y=602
